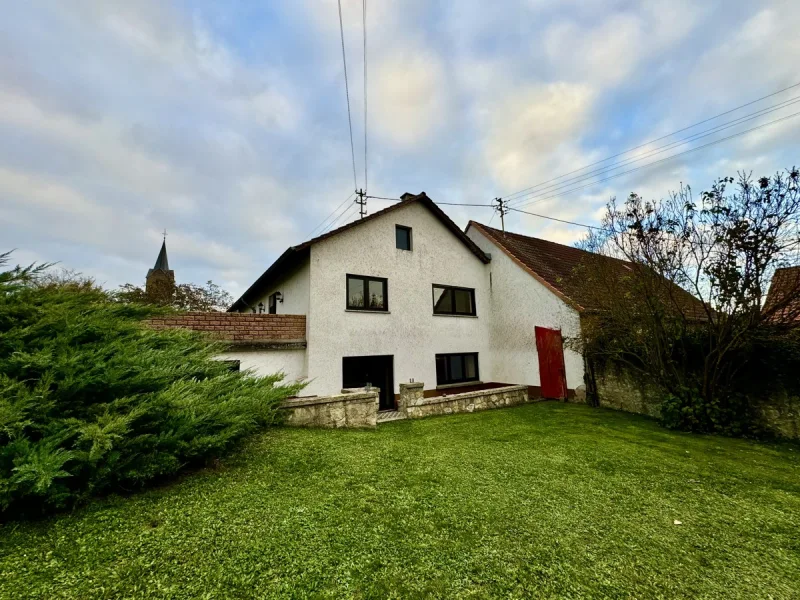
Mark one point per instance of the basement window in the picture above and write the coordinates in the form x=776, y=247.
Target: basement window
x=456, y=368
x=402, y=236
x=367, y=293
x=449, y=300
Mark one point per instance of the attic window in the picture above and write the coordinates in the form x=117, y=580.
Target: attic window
x=402, y=236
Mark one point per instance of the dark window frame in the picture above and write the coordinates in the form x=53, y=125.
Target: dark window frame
x=452, y=311
x=449, y=380
x=366, y=279
x=273, y=303
x=410, y=237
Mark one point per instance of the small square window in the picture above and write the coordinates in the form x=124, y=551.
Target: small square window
x=402, y=237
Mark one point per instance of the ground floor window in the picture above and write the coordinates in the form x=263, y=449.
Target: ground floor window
x=456, y=368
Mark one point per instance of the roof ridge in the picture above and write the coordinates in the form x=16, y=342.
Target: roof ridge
x=538, y=239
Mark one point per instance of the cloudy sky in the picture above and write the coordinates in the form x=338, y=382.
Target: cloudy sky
x=226, y=122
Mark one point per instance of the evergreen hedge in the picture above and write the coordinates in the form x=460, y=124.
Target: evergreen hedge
x=93, y=401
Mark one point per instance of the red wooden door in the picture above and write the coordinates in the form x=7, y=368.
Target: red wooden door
x=552, y=373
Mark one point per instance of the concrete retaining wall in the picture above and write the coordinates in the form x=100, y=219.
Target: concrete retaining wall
x=415, y=405
x=357, y=409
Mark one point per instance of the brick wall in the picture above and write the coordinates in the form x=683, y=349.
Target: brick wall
x=239, y=327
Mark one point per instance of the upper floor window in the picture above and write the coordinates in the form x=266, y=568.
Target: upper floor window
x=367, y=293
x=402, y=236
x=449, y=300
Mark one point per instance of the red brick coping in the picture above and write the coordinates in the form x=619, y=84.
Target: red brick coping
x=240, y=328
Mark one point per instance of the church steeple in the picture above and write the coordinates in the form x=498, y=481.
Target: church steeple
x=160, y=282
x=161, y=262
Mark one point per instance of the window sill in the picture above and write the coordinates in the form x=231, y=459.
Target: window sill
x=448, y=386
x=372, y=312
x=459, y=316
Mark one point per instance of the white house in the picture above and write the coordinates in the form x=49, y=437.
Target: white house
x=404, y=294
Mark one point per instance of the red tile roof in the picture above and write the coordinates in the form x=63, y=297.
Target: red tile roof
x=554, y=265
x=785, y=284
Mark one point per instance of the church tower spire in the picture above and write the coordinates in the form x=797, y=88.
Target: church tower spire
x=160, y=282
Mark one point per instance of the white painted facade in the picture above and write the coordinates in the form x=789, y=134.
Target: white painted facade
x=292, y=363
x=295, y=291
x=510, y=303
x=521, y=303
x=409, y=331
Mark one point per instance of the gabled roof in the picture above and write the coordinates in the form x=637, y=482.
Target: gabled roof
x=295, y=255
x=784, y=286
x=554, y=266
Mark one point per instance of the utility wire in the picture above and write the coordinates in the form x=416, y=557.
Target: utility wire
x=657, y=139
x=554, y=219
x=313, y=231
x=347, y=94
x=562, y=192
x=659, y=149
x=364, y=27
x=338, y=218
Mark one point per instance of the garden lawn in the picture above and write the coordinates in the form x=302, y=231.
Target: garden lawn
x=545, y=500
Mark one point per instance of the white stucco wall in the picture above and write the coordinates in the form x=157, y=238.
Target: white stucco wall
x=294, y=287
x=409, y=331
x=520, y=303
x=268, y=362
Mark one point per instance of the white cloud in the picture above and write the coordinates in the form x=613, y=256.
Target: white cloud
x=533, y=131
x=410, y=95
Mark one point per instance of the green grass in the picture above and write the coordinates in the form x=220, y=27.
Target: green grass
x=545, y=500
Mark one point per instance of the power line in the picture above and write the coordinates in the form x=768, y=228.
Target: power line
x=364, y=27
x=325, y=220
x=347, y=94
x=562, y=192
x=338, y=218
x=657, y=139
x=661, y=149
x=554, y=219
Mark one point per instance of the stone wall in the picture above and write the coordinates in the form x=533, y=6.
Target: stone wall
x=415, y=405
x=355, y=409
x=780, y=415
x=617, y=388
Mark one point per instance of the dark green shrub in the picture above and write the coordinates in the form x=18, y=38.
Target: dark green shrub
x=93, y=401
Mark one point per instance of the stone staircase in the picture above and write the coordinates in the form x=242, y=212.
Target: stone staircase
x=386, y=416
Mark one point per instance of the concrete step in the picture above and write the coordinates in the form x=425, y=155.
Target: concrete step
x=385, y=416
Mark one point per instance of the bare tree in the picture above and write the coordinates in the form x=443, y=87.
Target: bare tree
x=685, y=304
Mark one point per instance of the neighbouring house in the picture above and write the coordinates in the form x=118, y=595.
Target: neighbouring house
x=783, y=298
x=404, y=295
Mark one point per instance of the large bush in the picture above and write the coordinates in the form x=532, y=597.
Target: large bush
x=94, y=401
